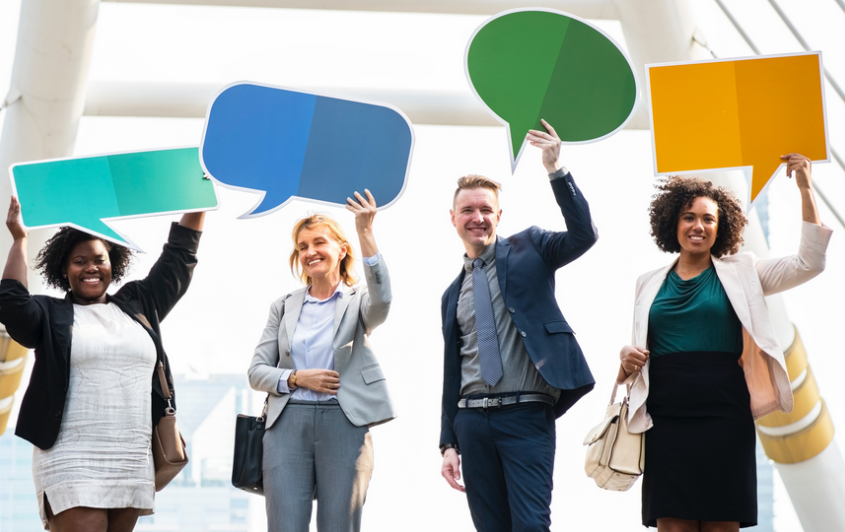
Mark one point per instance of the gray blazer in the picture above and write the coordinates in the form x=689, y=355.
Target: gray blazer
x=363, y=394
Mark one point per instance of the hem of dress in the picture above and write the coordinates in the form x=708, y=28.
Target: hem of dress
x=97, y=494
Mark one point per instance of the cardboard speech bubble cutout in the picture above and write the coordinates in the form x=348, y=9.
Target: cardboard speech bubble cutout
x=88, y=192
x=528, y=64
x=286, y=144
x=737, y=113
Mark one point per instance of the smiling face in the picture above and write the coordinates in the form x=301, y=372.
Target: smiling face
x=320, y=253
x=88, y=271
x=698, y=225
x=476, y=215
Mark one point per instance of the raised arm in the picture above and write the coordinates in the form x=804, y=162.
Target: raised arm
x=170, y=276
x=375, y=304
x=783, y=273
x=16, y=263
x=561, y=248
x=193, y=220
x=19, y=312
x=803, y=168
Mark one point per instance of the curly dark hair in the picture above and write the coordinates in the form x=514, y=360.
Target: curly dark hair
x=53, y=257
x=676, y=194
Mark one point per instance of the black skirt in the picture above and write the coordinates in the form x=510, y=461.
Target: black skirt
x=700, y=459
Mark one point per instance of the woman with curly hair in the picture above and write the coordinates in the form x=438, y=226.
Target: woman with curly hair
x=705, y=360
x=93, y=398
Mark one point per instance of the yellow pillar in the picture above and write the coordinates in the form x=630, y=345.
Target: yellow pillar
x=12, y=363
x=807, y=430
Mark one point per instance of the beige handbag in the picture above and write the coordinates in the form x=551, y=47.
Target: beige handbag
x=169, y=453
x=615, y=457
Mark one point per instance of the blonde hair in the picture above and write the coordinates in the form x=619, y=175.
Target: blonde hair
x=347, y=275
x=474, y=181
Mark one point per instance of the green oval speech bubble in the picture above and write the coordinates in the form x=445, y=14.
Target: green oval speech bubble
x=525, y=65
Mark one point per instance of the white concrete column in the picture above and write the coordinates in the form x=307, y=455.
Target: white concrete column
x=47, y=92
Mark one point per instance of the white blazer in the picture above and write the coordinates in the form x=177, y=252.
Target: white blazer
x=746, y=279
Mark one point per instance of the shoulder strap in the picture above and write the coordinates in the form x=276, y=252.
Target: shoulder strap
x=162, y=379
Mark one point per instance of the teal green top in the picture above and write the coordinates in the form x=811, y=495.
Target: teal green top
x=693, y=315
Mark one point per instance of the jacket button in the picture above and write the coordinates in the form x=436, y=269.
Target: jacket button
x=511, y=310
x=58, y=414
x=524, y=334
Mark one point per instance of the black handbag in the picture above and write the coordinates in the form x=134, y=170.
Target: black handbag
x=249, y=452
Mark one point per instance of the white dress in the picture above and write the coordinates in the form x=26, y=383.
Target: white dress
x=102, y=457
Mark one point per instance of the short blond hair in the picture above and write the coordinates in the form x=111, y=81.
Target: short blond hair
x=347, y=274
x=474, y=181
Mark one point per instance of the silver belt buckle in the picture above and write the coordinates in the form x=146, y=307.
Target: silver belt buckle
x=491, y=402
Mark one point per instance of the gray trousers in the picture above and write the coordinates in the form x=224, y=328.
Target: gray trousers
x=313, y=452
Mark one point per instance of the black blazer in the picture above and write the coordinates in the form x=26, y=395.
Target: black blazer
x=45, y=324
x=525, y=267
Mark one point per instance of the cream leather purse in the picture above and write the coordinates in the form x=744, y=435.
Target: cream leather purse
x=615, y=457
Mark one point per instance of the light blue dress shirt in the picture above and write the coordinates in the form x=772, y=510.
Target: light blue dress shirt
x=312, y=340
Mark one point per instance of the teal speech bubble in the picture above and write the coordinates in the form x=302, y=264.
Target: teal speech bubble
x=87, y=192
x=529, y=64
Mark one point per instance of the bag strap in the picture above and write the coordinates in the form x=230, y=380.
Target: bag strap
x=165, y=389
x=263, y=415
x=628, y=383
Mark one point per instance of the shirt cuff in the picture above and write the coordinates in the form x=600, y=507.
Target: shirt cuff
x=559, y=173
x=282, y=387
x=372, y=261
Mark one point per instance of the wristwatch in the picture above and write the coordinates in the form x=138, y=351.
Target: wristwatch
x=292, y=380
x=446, y=446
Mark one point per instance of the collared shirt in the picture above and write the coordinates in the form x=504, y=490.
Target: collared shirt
x=311, y=347
x=519, y=373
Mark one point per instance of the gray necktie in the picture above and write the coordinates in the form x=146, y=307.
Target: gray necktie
x=485, y=326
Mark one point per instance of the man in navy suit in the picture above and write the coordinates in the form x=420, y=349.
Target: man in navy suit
x=512, y=365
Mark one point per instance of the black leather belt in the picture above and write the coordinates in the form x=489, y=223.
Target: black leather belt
x=496, y=402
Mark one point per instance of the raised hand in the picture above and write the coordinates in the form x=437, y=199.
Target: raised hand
x=365, y=210
x=802, y=167
x=549, y=142
x=14, y=221
x=16, y=263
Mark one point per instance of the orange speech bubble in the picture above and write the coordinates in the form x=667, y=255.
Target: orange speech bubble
x=722, y=114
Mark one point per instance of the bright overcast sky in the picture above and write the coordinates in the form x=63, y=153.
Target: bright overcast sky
x=243, y=264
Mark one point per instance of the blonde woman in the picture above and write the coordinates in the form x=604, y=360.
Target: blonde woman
x=326, y=387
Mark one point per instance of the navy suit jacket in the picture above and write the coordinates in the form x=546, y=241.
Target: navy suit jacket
x=525, y=266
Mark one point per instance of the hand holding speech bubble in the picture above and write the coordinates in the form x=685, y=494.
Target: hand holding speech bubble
x=736, y=113
x=529, y=64
x=288, y=144
x=85, y=192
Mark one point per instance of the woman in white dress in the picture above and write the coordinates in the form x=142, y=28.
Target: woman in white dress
x=93, y=398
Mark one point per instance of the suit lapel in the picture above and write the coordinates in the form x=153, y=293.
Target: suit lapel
x=341, y=304
x=732, y=283
x=644, y=300
x=503, y=248
x=293, y=306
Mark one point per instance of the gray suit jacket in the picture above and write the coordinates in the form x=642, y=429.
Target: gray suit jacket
x=363, y=395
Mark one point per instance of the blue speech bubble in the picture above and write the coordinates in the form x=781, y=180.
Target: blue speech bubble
x=288, y=144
